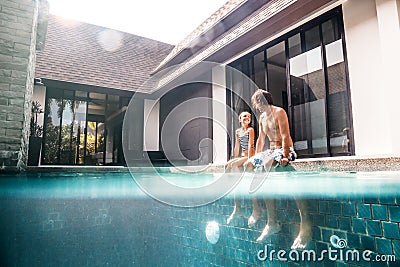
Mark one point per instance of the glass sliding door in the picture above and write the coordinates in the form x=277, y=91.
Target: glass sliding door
x=67, y=118
x=52, y=123
x=338, y=98
x=78, y=134
x=241, y=90
x=114, y=116
x=76, y=128
x=94, y=143
x=276, y=74
x=259, y=69
x=305, y=71
x=308, y=93
x=298, y=115
x=95, y=129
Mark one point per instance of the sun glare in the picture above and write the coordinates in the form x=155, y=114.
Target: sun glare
x=166, y=21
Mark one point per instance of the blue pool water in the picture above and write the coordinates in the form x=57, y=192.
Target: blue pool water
x=105, y=219
x=122, y=184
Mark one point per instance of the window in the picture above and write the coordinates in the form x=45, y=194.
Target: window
x=305, y=71
x=82, y=128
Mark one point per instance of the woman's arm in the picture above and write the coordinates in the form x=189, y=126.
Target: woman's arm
x=250, y=152
x=237, y=146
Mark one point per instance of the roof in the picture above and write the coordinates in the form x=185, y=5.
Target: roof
x=203, y=31
x=227, y=32
x=88, y=54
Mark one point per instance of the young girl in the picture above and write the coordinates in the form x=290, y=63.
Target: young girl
x=245, y=142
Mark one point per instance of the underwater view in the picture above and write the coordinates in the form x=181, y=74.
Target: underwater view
x=105, y=219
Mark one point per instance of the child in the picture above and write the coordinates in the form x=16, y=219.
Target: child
x=245, y=142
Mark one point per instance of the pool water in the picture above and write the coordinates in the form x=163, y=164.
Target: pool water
x=105, y=219
x=122, y=184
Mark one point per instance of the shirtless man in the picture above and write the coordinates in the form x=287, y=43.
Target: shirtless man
x=274, y=124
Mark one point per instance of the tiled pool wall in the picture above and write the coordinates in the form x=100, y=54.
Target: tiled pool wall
x=365, y=223
x=144, y=232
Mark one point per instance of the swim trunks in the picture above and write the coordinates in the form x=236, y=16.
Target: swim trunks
x=276, y=154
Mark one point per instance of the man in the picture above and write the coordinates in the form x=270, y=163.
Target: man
x=273, y=123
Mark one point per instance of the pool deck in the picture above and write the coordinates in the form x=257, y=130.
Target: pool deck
x=336, y=164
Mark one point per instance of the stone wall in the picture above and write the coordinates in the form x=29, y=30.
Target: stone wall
x=23, y=25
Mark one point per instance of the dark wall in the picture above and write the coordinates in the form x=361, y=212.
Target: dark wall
x=185, y=124
x=132, y=134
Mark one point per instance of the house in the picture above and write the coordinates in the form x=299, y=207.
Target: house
x=329, y=63
x=85, y=78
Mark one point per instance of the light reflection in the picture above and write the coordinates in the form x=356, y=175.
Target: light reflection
x=110, y=40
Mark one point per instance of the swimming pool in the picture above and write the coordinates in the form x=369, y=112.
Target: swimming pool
x=104, y=219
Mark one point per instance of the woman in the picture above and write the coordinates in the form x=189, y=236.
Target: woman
x=245, y=143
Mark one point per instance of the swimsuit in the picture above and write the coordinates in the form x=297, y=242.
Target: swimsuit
x=243, y=137
x=244, y=141
x=276, y=154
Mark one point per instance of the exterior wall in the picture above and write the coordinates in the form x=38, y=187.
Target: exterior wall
x=389, y=30
x=372, y=40
x=19, y=41
x=219, y=115
x=134, y=140
x=185, y=125
x=151, y=120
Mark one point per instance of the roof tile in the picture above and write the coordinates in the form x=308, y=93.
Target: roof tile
x=88, y=54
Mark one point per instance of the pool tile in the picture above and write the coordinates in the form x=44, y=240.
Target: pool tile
x=384, y=246
x=331, y=221
x=380, y=212
x=340, y=234
x=391, y=230
x=371, y=200
x=396, y=248
x=364, y=211
x=321, y=246
x=319, y=220
x=313, y=206
x=324, y=207
x=326, y=234
x=367, y=242
x=316, y=233
x=353, y=240
x=359, y=225
x=394, y=212
x=336, y=208
x=374, y=228
x=387, y=200
x=345, y=223
x=349, y=209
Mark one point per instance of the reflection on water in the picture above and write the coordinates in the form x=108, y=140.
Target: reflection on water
x=278, y=184
x=106, y=220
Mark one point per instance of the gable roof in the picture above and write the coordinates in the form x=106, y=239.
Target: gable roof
x=206, y=32
x=88, y=54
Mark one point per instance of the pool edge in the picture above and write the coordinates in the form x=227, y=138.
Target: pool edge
x=340, y=164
